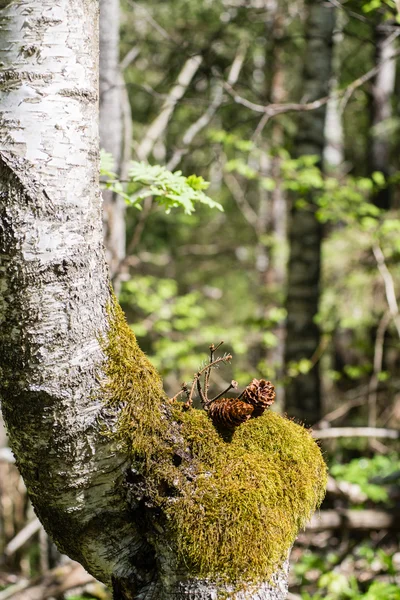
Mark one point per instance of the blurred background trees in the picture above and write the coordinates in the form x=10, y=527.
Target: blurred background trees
x=291, y=111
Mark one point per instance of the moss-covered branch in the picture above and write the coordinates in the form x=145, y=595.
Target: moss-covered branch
x=226, y=510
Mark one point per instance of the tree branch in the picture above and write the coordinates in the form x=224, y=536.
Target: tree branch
x=206, y=117
x=158, y=126
x=273, y=110
x=337, y=432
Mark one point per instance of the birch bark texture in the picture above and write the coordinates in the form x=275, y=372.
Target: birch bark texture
x=53, y=305
x=303, y=397
x=54, y=287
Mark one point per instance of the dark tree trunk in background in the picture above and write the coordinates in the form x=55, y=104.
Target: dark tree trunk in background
x=381, y=108
x=303, y=398
x=111, y=129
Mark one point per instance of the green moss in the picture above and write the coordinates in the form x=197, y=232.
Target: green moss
x=231, y=509
x=135, y=388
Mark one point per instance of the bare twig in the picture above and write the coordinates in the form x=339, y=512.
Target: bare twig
x=232, y=386
x=22, y=536
x=205, y=118
x=378, y=360
x=354, y=519
x=337, y=432
x=342, y=409
x=163, y=32
x=158, y=126
x=246, y=209
x=206, y=370
x=389, y=286
x=201, y=393
x=129, y=57
x=350, y=491
x=272, y=110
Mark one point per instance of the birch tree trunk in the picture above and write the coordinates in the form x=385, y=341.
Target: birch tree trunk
x=54, y=310
x=303, y=398
x=111, y=129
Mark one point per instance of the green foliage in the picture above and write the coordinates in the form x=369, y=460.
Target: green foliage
x=341, y=587
x=170, y=190
x=335, y=585
x=362, y=470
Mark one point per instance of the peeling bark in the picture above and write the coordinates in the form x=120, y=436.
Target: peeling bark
x=53, y=306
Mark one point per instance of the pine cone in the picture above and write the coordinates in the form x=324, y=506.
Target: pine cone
x=229, y=412
x=260, y=394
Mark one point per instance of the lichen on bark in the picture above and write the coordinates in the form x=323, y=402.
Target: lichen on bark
x=229, y=509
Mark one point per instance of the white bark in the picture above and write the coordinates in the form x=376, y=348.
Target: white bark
x=53, y=305
x=53, y=276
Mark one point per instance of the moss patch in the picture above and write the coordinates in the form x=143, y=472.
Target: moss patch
x=231, y=509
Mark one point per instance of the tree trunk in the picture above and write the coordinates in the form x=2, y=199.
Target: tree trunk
x=118, y=476
x=381, y=108
x=303, y=398
x=111, y=130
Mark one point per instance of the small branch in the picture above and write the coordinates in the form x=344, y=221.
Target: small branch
x=272, y=110
x=337, y=432
x=189, y=401
x=232, y=386
x=350, y=491
x=158, y=126
x=342, y=410
x=214, y=363
x=378, y=360
x=129, y=58
x=354, y=519
x=201, y=393
x=389, y=286
x=205, y=118
x=245, y=208
x=163, y=32
x=22, y=537
x=206, y=369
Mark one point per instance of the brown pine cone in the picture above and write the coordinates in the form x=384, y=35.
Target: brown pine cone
x=260, y=394
x=229, y=412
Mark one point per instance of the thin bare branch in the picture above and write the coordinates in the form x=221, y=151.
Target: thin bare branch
x=201, y=393
x=158, y=126
x=378, y=360
x=206, y=117
x=232, y=386
x=22, y=537
x=246, y=209
x=354, y=519
x=342, y=409
x=272, y=110
x=129, y=57
x=338, y=432
x=163, y=32
x=389, y=286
